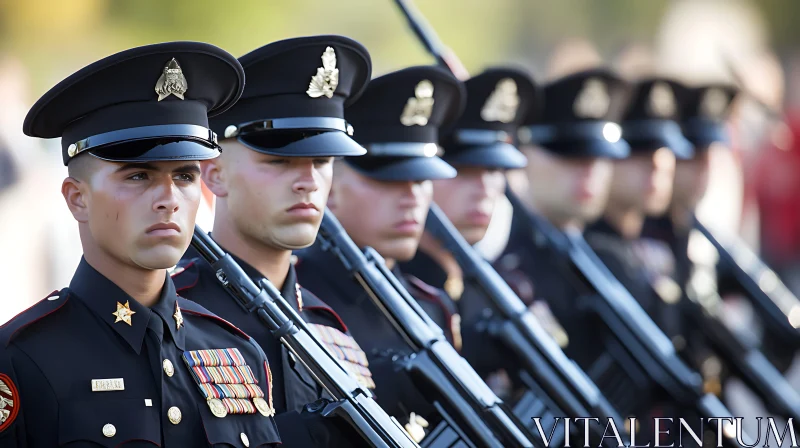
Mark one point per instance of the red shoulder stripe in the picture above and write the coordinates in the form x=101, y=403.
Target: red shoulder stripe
x=218, y=319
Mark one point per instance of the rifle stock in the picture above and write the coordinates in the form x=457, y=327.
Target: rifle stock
x=353, y=403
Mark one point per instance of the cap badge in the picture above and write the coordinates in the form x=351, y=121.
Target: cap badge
x=327, y=78
x=662, y=100
x=593, y=100
x=418, y=109
x=124, y=313
x=502, y=104
x=171, y=81
x=714, y=103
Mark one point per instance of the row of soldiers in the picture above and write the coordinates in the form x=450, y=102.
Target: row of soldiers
x=131, y=355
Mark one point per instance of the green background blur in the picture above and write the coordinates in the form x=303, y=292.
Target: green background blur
x=56, y=37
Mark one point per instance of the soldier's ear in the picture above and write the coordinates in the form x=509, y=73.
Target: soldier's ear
x=214, y=176
x=76, y=194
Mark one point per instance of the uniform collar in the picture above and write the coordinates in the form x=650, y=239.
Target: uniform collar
x=103, y=297
x=424, y=267
x=602, y=226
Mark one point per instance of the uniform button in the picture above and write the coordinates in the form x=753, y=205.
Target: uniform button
x=245, y=440
x=169, y=369
x=174, y=415
x=109, y=430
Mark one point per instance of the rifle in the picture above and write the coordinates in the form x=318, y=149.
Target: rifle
x=741, y=356
x=647, y=348
x=565, y=385
x=351, y=402
x=776, y=303
x=469, y=408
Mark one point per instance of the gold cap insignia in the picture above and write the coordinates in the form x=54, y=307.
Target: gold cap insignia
x=418, y=109
x=124, y=313
x=662, y=100
x=714, y=103
x=502, y=104
x=171, y=81
x=593, y=100
x=327, y=78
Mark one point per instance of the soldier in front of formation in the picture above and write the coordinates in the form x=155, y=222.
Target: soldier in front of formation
x=271, y=185
x=382, y=200
x=117, y=357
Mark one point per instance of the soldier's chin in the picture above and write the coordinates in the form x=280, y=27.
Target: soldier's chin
x=162, y=257
x=401, y=250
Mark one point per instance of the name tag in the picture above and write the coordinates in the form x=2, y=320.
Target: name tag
x=108, y=385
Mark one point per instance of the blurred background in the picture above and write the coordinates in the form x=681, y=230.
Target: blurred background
x=755, y=186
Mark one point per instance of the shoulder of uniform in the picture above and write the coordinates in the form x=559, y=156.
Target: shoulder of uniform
x=313, y=303
x=430, y=292
x=194, y=309
x=186, y=273
x=38, y=311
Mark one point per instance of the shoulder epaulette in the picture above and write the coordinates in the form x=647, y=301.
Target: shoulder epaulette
x=195, y=309
x=35, y=313
x=186, y=274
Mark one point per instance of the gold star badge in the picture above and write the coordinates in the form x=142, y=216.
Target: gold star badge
x=124, y=313
x=178, y=317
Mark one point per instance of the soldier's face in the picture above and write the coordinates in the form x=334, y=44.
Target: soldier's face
x=388, y=216
x=141, y=214
x=643, y=182
x=691, y=180
x=271, y=200
x=469, y=199
x=568, y=189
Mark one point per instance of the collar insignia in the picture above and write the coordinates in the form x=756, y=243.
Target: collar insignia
x=124, y=313
x=178, y=316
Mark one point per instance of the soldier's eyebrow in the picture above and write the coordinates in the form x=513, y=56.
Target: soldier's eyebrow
x=137, y=166
x=192, y=168
x=146, y=166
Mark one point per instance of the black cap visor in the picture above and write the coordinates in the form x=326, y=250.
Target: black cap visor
x=578, y=139
x=702, y=133
x=651, y=135
x=297, y=143
x=403, y=169
x=499, y=155
x=155, y=150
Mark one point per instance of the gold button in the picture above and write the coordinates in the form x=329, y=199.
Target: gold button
x=169, y=369
x=174, y=415
x=109, y=430
x=245, y=440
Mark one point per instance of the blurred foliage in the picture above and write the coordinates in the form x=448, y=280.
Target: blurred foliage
x=55, y=37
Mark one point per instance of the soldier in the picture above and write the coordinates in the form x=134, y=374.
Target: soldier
x=382, y=200
x=272, y=182
x=569, y=171
x=117, y=357
x=642, y=187
x=480, y=146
